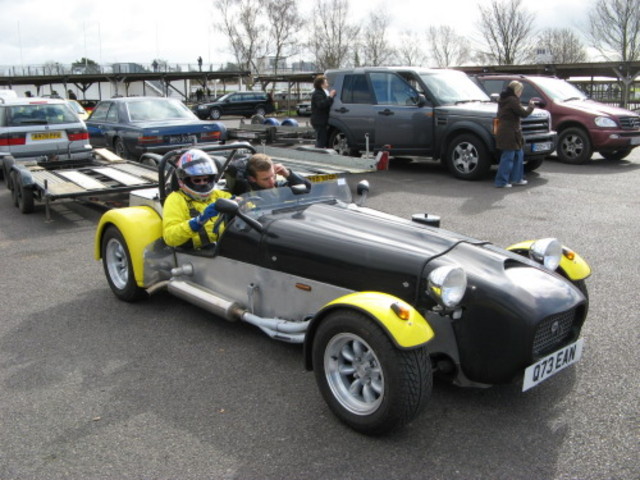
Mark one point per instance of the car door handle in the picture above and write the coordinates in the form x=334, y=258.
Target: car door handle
x=342, y=110
x=386, y=112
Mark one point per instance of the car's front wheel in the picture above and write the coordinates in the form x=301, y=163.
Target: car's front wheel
x=574, y=146
x=215, y=114
x=117, y=265
x=467, y=158
x=533, y=164
x=369, y=383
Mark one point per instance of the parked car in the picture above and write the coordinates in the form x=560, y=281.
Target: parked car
x=78, y=109
x=584, y=126
x=246, y=104
x=304, y=107
x=131, y=126
x=37, y=127
x=438, y=113
x=379, y=302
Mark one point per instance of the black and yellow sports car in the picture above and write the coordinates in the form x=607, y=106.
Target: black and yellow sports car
x=381, y=303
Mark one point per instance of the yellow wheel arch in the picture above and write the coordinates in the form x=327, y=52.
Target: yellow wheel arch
x=140, y=226
x=573, y=265
x=410, y=331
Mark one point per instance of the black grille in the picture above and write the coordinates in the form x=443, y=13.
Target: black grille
x=535, y=125
x=630, y=122
x=553, y=332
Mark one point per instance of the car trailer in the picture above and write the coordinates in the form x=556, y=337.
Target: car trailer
x=271, y=134
x=46, y=179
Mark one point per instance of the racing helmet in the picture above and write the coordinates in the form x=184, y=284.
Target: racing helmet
x=196, y=163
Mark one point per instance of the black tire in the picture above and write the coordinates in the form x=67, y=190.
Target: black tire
x=467, y=157
x=616, y=154
x=533, y=164
x=14, y=194
x=22, y=195
x=574, y=146
x=120, y=148
x=6, y=167
x=261, y=110
x=215, y=114
x=367, y=382
x=117, y=265
x=339, y=142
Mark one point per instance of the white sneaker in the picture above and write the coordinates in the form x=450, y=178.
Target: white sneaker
x=521, y=182
x=506, y=185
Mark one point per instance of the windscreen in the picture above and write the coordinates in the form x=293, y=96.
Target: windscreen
x=450, y=87
x=559, y=90
x=40, y=114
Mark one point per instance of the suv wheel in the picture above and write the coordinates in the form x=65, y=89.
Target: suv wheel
x=338, y=141
x=467, y=158
x=574, y=146
x=533, y=164
x=260, y=110
x=215, y=114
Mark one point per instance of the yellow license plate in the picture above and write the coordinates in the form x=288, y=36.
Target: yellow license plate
x=322, y=178
x=46, y=136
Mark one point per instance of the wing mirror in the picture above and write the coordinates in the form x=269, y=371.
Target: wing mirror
x=538, y=102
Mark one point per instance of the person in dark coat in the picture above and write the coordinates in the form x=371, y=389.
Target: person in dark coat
x=509, y=136
x=321, y=101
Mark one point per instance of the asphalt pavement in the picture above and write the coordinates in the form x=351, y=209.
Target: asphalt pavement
x=95, y=388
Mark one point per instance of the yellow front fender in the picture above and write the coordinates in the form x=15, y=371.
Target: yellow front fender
x=405, y=333
x=140, y=226
x=572, y=264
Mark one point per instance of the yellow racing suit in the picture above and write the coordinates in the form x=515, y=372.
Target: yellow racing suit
x=178, y=209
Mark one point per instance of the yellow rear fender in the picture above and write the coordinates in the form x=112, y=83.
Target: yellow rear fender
x=140, y=226
x=572, y=265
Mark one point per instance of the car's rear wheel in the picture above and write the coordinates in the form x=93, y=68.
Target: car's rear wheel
x=22, y=195
x=533, y=164
x=339, y=142
x=574, y=146
x=215, y=114
x=121, y=149
x=369, y=383
x=118, y=268
x=616, y=154
x=467, y=158
x=260, y=110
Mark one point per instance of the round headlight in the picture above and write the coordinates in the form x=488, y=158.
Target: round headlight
x=605, y=122
x=446, y=285
x=547, y=251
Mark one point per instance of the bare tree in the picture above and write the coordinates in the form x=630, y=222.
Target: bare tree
x=615, y=29
x=506, y=27
x=409, y=51
x=447, y=47
x=376, y=49
x=285, y=24
x=560, y=45
x=332, y=35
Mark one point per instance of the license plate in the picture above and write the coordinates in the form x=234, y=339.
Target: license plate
x=183, y=139
x=552, y=364
x=46, y=136
x=635, y=141
x=541, y=147
x=322, y=178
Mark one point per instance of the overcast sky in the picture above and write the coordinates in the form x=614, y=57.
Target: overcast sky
x=39, y=31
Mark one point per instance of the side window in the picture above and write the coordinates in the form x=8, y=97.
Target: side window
x=355, y=89
x=493, y=86
x=390, y=89
x=112, y=116
x=528, y=92
x=100, y=112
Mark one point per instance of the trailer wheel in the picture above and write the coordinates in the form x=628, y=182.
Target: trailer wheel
x=23, y=196
x=369, y=383
x=117, y=265
x=14, y=194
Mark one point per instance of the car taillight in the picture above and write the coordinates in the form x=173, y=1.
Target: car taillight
x=150, y=140
x=11, y=139
x=496, y=122
x=210, y=136
x=77, y=135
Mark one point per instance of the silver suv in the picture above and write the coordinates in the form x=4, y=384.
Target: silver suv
x=37, y=127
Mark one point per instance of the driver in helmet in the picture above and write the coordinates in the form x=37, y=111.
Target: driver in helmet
x=189, y=214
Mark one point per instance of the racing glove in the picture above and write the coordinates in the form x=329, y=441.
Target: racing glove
x=208, y=213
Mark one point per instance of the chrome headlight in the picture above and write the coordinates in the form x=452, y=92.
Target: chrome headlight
x=605, y=122
x=446, y=285
x=547, y=251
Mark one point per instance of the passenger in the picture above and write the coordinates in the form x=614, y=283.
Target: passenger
x=189, y=214
x=260, y=173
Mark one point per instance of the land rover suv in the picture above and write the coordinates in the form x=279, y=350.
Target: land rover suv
x=246, y=104
x=584, y=126
x=438, y=113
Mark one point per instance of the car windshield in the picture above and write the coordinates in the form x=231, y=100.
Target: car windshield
x=261, y=202
x=158, y=109
x=40, y=114
x=559, y=90
x=452, y=87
